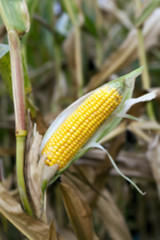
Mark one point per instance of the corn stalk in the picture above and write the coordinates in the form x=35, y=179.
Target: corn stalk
x=16, y=19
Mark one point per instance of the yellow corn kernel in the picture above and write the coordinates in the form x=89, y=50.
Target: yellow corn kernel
x=76, y=129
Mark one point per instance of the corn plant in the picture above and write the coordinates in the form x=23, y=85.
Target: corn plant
x=91, y=109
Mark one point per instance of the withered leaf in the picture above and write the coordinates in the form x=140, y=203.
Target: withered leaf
x=31, y=227
x=78, y=211
x=112, y=218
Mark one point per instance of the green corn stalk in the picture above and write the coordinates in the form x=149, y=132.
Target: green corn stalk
x=16, y=18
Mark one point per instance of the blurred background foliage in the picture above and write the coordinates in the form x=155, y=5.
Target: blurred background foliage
x=73, y=47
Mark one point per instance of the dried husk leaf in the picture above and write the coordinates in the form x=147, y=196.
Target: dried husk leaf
x=78, y=211
x=32, y=176
x=112, y=218
x=52, y=232
x=34, y=169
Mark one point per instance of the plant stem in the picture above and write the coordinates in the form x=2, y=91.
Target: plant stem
x=75, y=16
x=17, y=80
x=20, y=114
x=143, y=62
x=58, y=71
x=98, y=39
x=78, y=60
x=20, y=148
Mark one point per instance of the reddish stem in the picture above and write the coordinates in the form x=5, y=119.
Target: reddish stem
x=17, y=81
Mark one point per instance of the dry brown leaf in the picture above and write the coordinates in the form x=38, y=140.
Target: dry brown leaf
x=7, y=151
x=133, y=164
x=52, y=232
x=69, y=49
x=153, y=155
x=59, y=237
x=32, y=228
x=114, y=133
x=78, y=211
x=147, y=125
x=68, y=233
x=36, y=171
x=110, y=6
x=127, y=52
x=112, y=218
x=139, y=133
x=31, y=166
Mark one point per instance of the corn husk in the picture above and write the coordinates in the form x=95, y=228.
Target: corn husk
x=125, y=86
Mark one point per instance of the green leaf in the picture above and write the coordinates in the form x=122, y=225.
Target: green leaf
x=27, y=83
x=90, y=26
x=15, y=15
x=5, y=70
x=146, y=12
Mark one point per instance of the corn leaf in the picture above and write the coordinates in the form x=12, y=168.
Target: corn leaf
x=112, y=218
x=5, y=70
x=78, y=211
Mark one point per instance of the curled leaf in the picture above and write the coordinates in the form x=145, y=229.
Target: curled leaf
x=78, y=211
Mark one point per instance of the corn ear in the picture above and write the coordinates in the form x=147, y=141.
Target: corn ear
x=123, y=87
x=75, y=131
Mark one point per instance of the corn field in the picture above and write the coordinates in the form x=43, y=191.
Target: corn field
x=79, y=120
